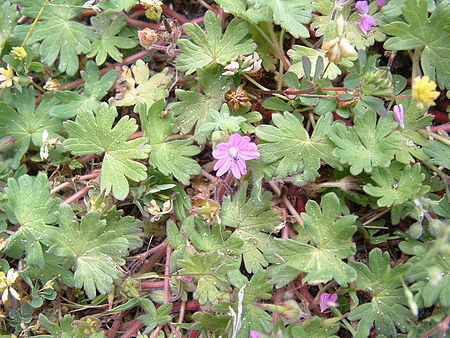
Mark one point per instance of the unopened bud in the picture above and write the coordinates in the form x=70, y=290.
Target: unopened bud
x=147, y=37
x=340, y=25
x=436, y=227
x=415, y=230
x=338, y=48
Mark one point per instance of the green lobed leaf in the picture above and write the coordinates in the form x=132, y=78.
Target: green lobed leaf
x=141, y=87
x=254, y=222
x=30, y=207
x=367, y=145
x=8, y=14
x=395, y=186
x=289, y=143
x=95, y=89
x=290, y=14
x=429, y=33
x=169, y=156
x=94, y=134
x=25, y=123
x=328, y=230
x=155, y=316
x=192, y=109
x=95, y=250
x=439, y=153
x=210, y=273
x=387, y=308
x=211, y=46
x=109, y=41
x=58, y=33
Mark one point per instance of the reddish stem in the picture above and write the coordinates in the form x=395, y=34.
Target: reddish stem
x=445, y=127
x=87, y=158
x=132, y=330
x=150, y=251
x=191, y=305
x=136, y=135
x=170, y=12
x=194, y=334
x=115, y=327
x=77, y=178
x=151, y=285
x=125, y=61
x=442, y=326
x=77, y=195
x=223, y=186
x=141, y=24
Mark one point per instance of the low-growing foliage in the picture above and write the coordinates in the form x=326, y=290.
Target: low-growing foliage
x=243, y=168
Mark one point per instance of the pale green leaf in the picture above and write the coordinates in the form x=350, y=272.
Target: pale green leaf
x=169, y=156
x=290, y=14
x=192, y=109
x=387, y=308
x=8, y=14
x=26, y=123
x=328, y=230
x=109, y=42
x=254, y=222
x=95, y=89
x=94, y=251
x=141, y=87
x=395, y=186
x=30, y=207
x=367, y=145
x=429, y=33
x=209, y=271
x=58, y=34
x=205, y=48
x=289, y=143
x=94, y=134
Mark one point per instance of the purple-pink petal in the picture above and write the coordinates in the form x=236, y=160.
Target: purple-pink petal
x=381, y=3
x=367, y=22
x=327, y=300
x=399, y=115
x=255, y=334
x=362, y=7
x=232, y=155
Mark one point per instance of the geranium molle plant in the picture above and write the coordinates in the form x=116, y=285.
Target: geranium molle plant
x=367, y=21
x=232, y=155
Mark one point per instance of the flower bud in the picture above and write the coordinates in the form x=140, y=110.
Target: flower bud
x=338, y=48
x=415, y=230
x=340, y=25
x=147, y=37
x=51, y=85
x=436, y=227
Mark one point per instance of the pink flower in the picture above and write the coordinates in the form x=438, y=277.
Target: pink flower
x=327, y=300
x=232, y=155
x=381, y=3
x=399, y=115
x=367, y=21
x=255, y=334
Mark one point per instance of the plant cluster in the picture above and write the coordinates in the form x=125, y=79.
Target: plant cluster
x=243, y=168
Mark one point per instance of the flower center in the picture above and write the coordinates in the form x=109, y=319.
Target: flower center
x=233, y=153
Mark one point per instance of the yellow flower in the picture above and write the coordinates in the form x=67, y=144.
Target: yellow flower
x=423, y=91
x=7, y=77
x=19, y=53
